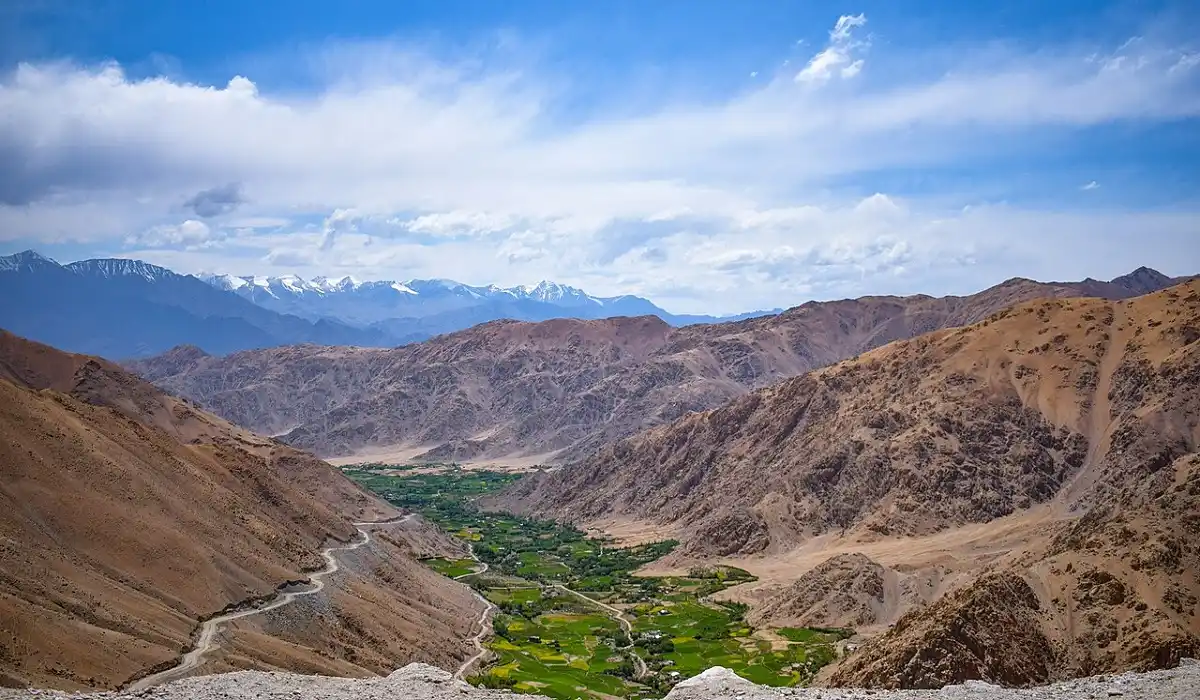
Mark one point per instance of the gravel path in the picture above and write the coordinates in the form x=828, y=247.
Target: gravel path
x=206, y=640
x=421, y=682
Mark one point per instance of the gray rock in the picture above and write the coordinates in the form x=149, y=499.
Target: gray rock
x=422, y=682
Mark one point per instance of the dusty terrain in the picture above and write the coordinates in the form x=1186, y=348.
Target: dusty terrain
x=561, y=388
x=1036, y=474
x=418, y=682
x=130, y=516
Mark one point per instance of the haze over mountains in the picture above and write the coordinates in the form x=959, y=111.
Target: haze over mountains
x=438, y=305
x=560, y=389
x=120, y=308
x=130, y=515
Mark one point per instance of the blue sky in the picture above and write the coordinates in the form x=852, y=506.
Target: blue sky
x=712, y=156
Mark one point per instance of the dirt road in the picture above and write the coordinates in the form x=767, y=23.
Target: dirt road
x=488, y=609
x=206, y=641
x=621, y=620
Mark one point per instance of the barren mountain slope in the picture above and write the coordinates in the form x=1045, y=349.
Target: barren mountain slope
x=1085, y=406
x=127, y=515
x=849, y=591
x=561, y=386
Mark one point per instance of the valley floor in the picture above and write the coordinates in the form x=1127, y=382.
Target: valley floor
x=571, y=618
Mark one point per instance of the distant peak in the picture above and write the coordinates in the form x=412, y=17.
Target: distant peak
x=120, y=267
x=26, y=260
x=1143, y=280
x=1143, y=271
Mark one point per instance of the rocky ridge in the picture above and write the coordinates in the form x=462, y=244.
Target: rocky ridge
x=1073, y=422
x=559, y=389
x=420, y=682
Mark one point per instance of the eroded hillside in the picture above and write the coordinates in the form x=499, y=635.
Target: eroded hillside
x=1073, y=422
x=129, y=515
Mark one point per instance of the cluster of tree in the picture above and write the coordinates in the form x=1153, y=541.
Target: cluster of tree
x=491, y=680
x=625, y=669
x=617, y=638
x=527, y=609
x=737, y=611
x=656, y=645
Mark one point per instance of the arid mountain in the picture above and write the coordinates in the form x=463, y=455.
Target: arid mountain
x=558, y=389
x=848, y=591
x=129, y=515
x=1078, y=417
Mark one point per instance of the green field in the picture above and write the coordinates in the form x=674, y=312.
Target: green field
x=553, y=642
x=451, y=567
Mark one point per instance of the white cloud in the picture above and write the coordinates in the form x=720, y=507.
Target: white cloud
x=458, y=223
x=1090, y=186
x=839, y=56
x=190, y=233
x=845, y=24
x=406, y=166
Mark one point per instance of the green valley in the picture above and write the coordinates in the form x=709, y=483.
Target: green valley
x=572, y=619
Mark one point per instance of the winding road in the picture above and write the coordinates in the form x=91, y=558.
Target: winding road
x=206, y=641
x=621, y=620
x=483, y=617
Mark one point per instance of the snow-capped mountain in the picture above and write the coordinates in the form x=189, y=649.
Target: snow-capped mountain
x=367, y=302
x=113, y=268
x=425, y=307
x=27, y=261
x=121, y=308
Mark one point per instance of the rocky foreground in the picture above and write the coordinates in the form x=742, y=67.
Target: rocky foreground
x=421, y=682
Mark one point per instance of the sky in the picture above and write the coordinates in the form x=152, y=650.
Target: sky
x=714, y=157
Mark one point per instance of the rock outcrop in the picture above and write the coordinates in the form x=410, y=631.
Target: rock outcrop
x=420, y=682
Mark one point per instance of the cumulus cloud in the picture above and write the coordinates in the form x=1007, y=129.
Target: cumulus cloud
x=839, y=57
x=187, y=234
x=340, y=222
x=216, y=201
x=1090, y=186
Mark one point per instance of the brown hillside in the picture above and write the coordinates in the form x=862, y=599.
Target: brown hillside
x=559, y=389
x=1084, y=411
x=126, y=515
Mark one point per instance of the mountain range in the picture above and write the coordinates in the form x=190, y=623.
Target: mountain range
x=1017, y=500
x=119, y=308
x=560, y=389
x=1001, y=486
x=435, y=306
